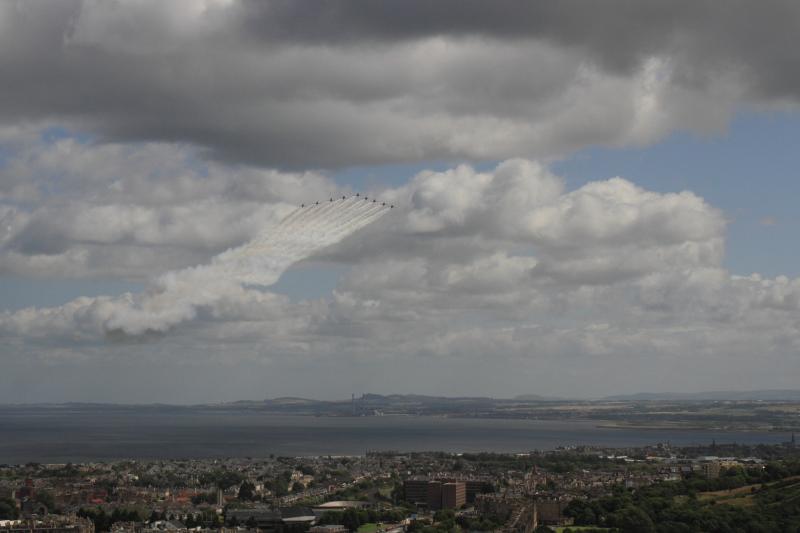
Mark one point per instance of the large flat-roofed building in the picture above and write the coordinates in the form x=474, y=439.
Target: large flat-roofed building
x=416, y=490
x=454, y=495
x=341, y=505
x=434, y=495
x=282, y=520
x=475, y=487
x=330, y=528
x=551, y=512
x=51, y=524
x=711, y=469
x=265, y=518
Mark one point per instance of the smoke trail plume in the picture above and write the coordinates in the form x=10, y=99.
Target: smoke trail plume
x=177, y=296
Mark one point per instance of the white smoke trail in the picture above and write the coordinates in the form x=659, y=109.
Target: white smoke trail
x=177, y=296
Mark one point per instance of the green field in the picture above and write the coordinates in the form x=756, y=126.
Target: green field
x=368, y=528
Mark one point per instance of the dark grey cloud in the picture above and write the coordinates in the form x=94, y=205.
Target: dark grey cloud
x=617, y=34
x=298, y=84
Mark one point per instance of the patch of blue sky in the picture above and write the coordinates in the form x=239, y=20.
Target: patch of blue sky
x=309, y=280
x=750, y=172
x=18, y=293
x=54, y=134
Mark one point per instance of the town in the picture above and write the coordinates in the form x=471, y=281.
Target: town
x=569, y=489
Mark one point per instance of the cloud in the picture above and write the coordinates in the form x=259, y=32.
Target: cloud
x=601, y=232
x=179, y=296
x=280, y=84
x=494, y=270
x=78, y=209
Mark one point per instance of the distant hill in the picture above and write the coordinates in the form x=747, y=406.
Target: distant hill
x=291, y=400
x=763, y=395
x=419, y=404
x=422, y=398
x=378, y=401
x=369, y=404
x=535, y=398
x=385, y=400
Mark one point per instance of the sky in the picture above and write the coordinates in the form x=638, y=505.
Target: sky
x=591, y=198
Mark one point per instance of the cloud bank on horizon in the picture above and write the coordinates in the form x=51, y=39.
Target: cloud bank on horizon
x=144, y=136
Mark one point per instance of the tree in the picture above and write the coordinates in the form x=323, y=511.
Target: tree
x=582, y=512
x=330, y=517
x=46, y=499
x=102, y=521
x=280, y=487
x=298, y=487
x=444, y=514
x=221, y=478
x=8, y=509
x=632, y=519
x=246, y=491
x=350, y=519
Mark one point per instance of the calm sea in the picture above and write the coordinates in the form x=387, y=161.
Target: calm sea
x=62, y=434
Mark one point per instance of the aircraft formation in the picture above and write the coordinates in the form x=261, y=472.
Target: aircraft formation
x=357, y=195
